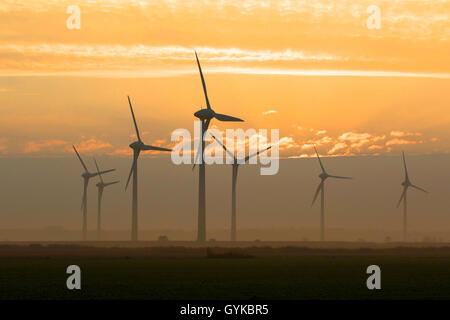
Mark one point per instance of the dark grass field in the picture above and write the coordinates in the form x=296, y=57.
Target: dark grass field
x=31, y=272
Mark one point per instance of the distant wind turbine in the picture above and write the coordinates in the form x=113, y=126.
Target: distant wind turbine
x=406, y=184
x=321, y=188
x=101, y=185
x=205, y=116
x=234, y=174
x=86, y=176
x=137, y=147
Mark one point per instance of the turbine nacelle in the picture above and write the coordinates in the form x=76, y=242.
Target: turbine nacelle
x=205, y=114
x=324, y=175
x=87, y=175
x=137, y=145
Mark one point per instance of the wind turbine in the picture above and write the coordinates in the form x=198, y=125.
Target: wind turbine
x=101, y=185
x=86, y=176
x=321, y=188
x=137, y=146
x=234, y=174
x=205, y=116
x=406, y=184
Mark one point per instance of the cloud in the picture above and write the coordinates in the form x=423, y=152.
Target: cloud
x=300, y=156
x=375, y=147
x=287, y=143
x=398, y=133
x=47, y=145
x=121, y=152
x=142, y=52
x=354, y=137
x=323, y=140
x=92, y=144
x=269, y=112
x=359, y=140
x=320, y=132
x=337, y=147
x=307, y=146
x=62, y=146
x=398, y=141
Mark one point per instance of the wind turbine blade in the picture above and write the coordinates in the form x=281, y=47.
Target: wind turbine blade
x=103, y=172
x=81, y=160
x=402, y=196
x=135, y=157
x=229, y=152
x=419, y=188
x=134, y=119
x=224, y=117
x=82, y=201
x=320, y=161
x=98, y=171
x=111, y=183
x=340, y=177
x=147, y=147
x=203, y=82
x=256, y=153
x=404, y=165
x=200, y=151
x=196, y=158
x=317, y=193
x=197, y=155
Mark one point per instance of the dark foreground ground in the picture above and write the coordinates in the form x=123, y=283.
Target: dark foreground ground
x=38, y=271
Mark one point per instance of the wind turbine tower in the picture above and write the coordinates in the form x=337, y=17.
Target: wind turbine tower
x=86, y=177
x=406, y=184
x=234, y=176
x=205, y=116
x=321, y=188
x=137, y=146
x=101, y=186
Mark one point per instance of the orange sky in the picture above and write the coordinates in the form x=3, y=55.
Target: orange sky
x=310, y=68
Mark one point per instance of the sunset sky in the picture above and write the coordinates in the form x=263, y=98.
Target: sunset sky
x=312, y=69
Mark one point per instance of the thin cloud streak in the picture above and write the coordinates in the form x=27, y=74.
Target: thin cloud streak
x=163, y=73
x=176, y=53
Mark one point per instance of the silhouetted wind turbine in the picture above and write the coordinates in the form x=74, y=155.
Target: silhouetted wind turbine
x=101, y=185
x=406, y=184
x=205, y=116
x=137, y=147
x=321, y=188
x=234, y=174
x=86, y=176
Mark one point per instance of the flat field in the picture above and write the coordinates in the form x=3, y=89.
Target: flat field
x=39, y=272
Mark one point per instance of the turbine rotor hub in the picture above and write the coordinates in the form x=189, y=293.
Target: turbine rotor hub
x=205, y=114
x=136, y=145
